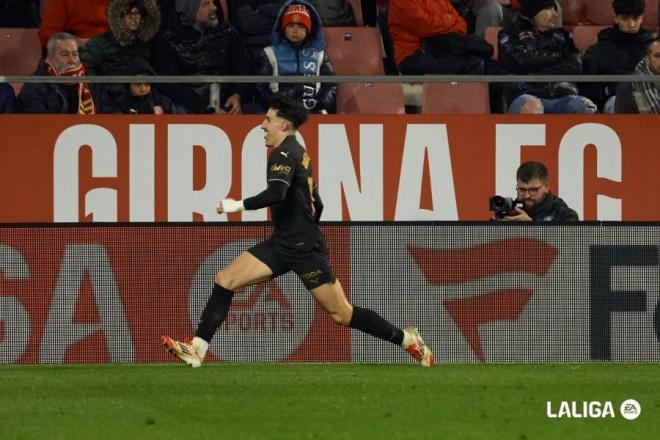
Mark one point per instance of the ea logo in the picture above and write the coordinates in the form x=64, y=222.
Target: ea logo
x=630, y=409
x=266, y=322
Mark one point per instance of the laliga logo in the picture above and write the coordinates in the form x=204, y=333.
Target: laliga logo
x=266, y=322
x=630, y=409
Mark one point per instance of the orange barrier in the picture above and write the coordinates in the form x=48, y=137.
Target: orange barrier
x=372, y=168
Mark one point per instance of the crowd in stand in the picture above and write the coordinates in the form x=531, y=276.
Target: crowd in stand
x=143, y=38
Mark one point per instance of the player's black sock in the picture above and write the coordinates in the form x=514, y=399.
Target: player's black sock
x=372, y=323
x=214, y=313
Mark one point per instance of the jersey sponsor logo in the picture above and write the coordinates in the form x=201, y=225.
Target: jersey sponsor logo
x=279, y=168
x=285, y=154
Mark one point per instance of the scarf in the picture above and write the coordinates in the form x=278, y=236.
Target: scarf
x=646, y=94
x=85, y=101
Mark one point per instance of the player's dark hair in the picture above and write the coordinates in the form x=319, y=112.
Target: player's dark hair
x=289, y=109
x=629, y=8
x=655, y=40
x=532, y=170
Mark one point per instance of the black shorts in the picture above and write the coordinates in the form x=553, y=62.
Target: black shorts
x=312, y=267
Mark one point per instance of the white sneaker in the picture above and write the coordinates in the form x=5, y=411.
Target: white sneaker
x=417, y=348
x=183, y=351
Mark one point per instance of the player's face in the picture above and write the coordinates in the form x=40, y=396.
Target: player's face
x=628, y=24
x=531, y=193
x=653, y=58
x=275, y=128
x=65, y=55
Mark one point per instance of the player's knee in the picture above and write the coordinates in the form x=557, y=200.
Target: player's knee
x=225, y=280
x=341, y=318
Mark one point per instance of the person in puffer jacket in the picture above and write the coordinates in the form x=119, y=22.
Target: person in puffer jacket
x=534, y=44
x=133, y=23
x=297, y=48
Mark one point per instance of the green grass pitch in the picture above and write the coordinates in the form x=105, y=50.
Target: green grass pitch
x=322, y=401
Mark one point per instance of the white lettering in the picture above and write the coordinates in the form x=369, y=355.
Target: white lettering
x=99, y=202
x=142, y=173
x=183, y=199
x=509, y=140
x=80, y=261
x=422, y=140
x=337, y=176
x=13, y=315
x=571, y=167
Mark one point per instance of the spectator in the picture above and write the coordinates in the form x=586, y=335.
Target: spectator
x=139, y=97
x=335, y=12
x=7, y=98
x=83, y=18
x=429, y=37
x=62, y=59
x=132, y=25
x=298, y=49
x=534, y=44
x=642, y=97
x=618, y=51
x=196, y=43
x=254, y=20
x=19, y=13
x=538, y=203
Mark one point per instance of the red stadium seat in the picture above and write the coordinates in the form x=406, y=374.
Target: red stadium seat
x=491, y=37
x=573, y=11
x=20, y=52
x=355, y=50
x=455, y=98
x=585, y=36
x=357, y=11
x=600, y=12
x=367, y=98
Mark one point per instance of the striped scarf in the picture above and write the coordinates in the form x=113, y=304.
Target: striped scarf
x=646, y=94
x=85, y=101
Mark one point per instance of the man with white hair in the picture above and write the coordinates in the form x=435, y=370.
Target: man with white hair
x=196, y=43
x=62, y=59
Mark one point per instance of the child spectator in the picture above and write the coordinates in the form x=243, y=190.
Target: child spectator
x=139, y=97
x=297, y=48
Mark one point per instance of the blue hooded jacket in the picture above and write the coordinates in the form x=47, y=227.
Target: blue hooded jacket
x=309, y=59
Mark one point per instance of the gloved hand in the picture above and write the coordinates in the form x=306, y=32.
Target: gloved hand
x=230, y=205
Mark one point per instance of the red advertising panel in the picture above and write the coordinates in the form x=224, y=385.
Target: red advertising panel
x=374, y=168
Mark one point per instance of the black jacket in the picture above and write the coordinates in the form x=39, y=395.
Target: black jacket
x=552, y=209
x=615, y=53
x=182, y=50
x=524, y=50
x=53, y=98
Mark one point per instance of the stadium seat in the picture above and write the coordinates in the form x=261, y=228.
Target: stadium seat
x=367, y=98
x=20, y=52
x=491, y=37
x=600, y=12
x=585, y=36
x=357, y=11
x=573, y=12
x=355, y=50
x=455, y=98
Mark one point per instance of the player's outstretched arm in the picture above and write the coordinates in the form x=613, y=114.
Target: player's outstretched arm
x=274, y=193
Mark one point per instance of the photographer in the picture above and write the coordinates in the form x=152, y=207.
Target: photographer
x=534, y=201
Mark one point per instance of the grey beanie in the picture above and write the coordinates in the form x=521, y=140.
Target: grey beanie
x=187, y=10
